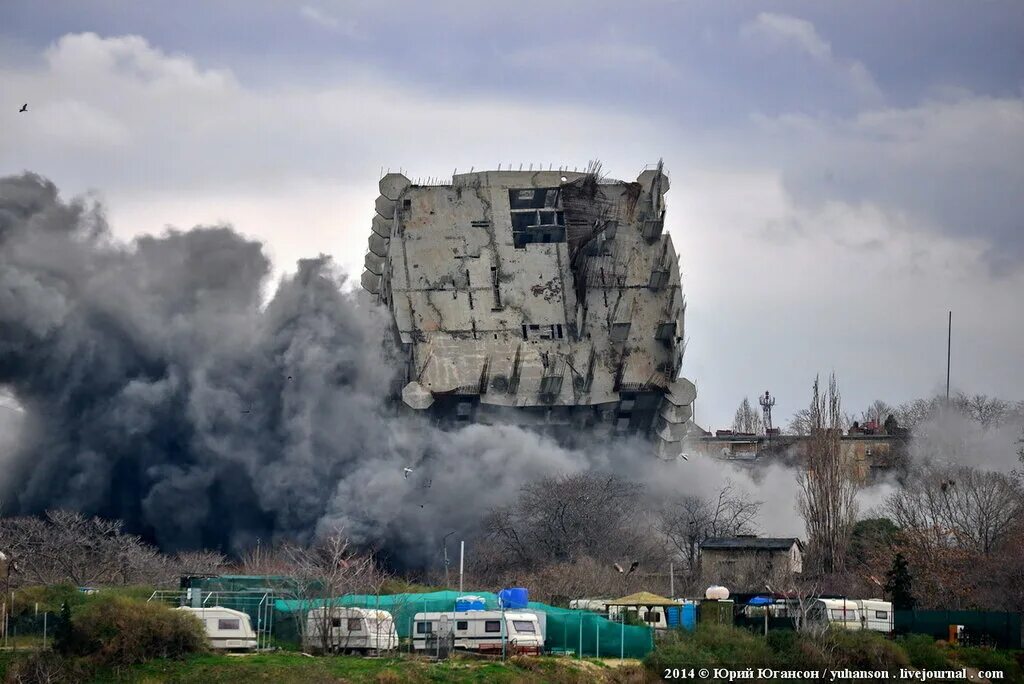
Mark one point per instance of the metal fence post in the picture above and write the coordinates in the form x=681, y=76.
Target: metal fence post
x=44, y=629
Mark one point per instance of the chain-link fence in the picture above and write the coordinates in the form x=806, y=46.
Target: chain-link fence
x=29, y=630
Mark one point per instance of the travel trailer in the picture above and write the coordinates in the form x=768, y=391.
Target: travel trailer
x=838, y=613
x=226, y=629
x=339, y=629
x=591, y=604
x=876, y=615
x=481, y=630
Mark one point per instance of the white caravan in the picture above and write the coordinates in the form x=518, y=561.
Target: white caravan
x=341, y=628
x=481, y=630
x=591, y=604
x=838, y=613
x=226, y=629
x=876, y=615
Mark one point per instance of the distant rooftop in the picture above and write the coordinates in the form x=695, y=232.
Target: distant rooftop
x=751, y=543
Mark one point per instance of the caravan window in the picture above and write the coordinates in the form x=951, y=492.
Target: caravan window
x=228, y=624
x=844, y=614
x=355, y=625
x=523, y=626
x=424, y=628
x=881, y=615
x=492, y=626
x=462, y=625
x=335, y=622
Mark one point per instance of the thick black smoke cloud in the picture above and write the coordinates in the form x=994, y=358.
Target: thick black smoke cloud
x=159, y=387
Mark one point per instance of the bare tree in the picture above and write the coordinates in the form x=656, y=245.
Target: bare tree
x=800, y=423
x=827, y=485
x=322, y=574
x=957, y=506
x=747, y=419
x=565, y=518
x=199, y=562
x=66, y=546
x=878, y=411
x=985, y=410
x=691, y=520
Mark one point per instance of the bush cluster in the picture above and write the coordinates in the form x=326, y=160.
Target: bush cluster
x=120, y=631
x=734, y=648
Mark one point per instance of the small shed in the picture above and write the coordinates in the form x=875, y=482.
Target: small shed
x=650, y=608
x=747, y=562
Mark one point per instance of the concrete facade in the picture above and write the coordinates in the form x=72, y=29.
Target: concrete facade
x=548, y=298
x=868, y=456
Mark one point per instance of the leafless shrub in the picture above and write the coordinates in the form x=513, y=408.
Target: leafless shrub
x=691, y=520
x=324, y=572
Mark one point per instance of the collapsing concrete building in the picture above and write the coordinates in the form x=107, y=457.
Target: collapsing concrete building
x=546, y=298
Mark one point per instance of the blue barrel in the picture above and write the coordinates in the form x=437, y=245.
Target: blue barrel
x=467, y=603
x=514, y=598
x=689, y=617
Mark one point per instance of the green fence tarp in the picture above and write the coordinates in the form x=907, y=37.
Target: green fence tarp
x=575, y=631
x=1003, y=629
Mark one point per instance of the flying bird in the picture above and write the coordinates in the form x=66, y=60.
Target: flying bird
x=632, y=566
x=406, y=471
x=24, y=108
x=685, y=457
x=247, y=410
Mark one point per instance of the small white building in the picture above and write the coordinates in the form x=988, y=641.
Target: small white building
x=226, y=629
x=344, y=628
x=482, y=630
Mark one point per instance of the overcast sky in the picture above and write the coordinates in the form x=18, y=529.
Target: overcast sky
x=842, y=175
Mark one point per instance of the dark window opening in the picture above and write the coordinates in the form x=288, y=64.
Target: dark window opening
x=406, y=204
x=494, y=288
x=492, y=626
x=462, y=625
x=558, y=328
x=335, y=622
x=355, y=625
x=534, y=198
x=524, y=331
x=424, y=628
x=229, y=624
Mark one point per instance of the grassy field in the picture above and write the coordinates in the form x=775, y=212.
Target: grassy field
x=294, y=667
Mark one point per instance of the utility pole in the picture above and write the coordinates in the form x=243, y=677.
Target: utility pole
x=462, y=556
x=949, y=348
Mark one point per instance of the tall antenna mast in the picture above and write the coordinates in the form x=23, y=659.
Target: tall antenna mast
x=766, y=402
x=949, y=347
